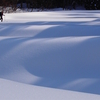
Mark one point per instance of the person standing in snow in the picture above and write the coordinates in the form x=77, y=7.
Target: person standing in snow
x=1, y=14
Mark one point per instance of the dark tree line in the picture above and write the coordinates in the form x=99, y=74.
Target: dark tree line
x=42, y=4
x=8, y=3
x=92, y=4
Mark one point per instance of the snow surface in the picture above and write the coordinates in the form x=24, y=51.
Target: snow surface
x=16, y=91
x=43, y=55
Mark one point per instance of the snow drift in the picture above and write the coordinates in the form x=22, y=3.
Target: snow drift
x=51, y=49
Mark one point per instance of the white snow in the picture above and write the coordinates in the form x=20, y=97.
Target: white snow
x=16, y=91
x=44, y=55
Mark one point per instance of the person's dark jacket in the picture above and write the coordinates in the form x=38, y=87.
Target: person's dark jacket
x=1, y=13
